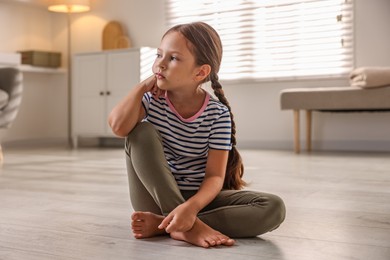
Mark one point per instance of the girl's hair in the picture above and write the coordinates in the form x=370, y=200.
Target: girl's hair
x=206, y=46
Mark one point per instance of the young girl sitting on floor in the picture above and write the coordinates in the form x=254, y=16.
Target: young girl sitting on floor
x=185, y=173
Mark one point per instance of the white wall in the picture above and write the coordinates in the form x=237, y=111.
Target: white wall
x=42, y=115
x=260, y=122
x=24, y=27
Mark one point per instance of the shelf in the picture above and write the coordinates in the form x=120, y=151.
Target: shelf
x=34, y=69
x=13, y=60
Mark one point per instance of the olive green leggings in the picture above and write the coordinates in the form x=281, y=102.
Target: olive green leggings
x=154, y=189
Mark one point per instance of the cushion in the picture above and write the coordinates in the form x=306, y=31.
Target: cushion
x=336, y=98
x=3, y=98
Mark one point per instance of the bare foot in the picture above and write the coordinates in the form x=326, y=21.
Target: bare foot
x=145, y=224
x=202, y=235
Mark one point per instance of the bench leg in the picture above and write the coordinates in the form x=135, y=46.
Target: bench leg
x=308, y=129
x=297, y=146
x=1, y=155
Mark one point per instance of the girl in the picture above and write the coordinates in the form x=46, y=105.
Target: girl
x=183, y=167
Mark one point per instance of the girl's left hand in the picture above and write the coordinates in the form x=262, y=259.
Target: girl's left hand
x=181, y=219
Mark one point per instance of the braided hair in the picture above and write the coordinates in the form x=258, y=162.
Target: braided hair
x=205, y=44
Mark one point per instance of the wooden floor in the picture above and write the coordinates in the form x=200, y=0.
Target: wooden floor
x=63, y=204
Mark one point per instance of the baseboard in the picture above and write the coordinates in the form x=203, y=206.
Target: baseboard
x=265, y=145
x=352, y=145
x=36, y=143
x=63, y=142
x=339, y=145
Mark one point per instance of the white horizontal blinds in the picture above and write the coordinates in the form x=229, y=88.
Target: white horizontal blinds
x=275, y=38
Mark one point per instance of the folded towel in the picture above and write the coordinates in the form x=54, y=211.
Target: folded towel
x=370, y=77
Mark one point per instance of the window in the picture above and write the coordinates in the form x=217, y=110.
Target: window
x=278, y=39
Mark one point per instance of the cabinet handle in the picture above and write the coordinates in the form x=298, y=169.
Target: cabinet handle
x=108, y=93
x=101, y=93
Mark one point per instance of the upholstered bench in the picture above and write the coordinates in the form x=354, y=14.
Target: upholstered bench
x=331, y=99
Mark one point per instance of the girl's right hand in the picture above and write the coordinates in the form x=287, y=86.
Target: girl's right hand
x=150, y=85
x=181, y=219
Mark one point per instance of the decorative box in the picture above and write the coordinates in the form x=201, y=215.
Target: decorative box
x=41, y=58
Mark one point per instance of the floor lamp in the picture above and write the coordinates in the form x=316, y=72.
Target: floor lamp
x=69, y=7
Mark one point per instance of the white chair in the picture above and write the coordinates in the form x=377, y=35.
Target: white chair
x=11, y=88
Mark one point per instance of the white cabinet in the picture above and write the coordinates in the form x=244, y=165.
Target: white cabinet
x=100, y=80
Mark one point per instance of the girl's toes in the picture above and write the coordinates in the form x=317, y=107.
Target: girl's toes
x=138, y=236
x=230, y=242
x=212, y=241
x=205, y=244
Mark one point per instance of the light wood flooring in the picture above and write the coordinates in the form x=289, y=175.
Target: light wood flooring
x=74, y=204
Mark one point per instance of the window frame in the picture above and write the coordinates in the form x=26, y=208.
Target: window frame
x=346, y=11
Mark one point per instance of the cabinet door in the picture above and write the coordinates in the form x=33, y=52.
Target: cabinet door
x=123, y=73
x=89, y=88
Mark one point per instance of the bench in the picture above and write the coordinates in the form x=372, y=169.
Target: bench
x=331, y=99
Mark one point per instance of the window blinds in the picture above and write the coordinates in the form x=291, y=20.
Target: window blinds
x=278, y=39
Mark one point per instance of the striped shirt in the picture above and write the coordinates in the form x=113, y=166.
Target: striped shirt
x=186, y=142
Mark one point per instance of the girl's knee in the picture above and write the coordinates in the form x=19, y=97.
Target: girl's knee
x=271, y=212
x=277, y=208
x=141, y=133
x=270, y=202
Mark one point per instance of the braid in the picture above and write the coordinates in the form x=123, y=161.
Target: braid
x=235, y=167
x=220, y=94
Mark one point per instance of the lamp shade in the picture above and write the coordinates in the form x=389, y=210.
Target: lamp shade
x=69, y=6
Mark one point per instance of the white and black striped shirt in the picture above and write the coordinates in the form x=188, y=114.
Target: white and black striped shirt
x=187, y=141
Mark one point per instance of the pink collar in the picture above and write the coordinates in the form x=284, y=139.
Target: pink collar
x=192, y=118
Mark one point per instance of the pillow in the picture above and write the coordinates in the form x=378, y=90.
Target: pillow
x=3, y=98
x=370, y=77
